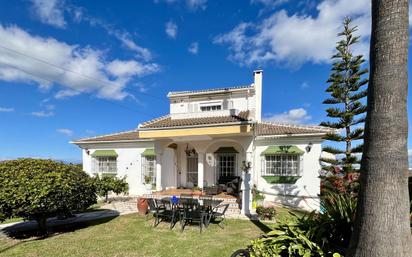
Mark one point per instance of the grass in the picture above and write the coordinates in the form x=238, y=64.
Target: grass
x=131, y=235
x=283, y=213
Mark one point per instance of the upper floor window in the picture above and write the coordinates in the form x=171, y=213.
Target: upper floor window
x=209, y=108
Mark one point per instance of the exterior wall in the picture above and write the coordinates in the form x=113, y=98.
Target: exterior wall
x=129, y=162
x=304, y=193
x=185, y=107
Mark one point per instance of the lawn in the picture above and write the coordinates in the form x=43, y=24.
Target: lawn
x=132, y=235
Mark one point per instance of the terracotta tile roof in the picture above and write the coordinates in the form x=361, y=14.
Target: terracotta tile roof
x=212, y=90
x=268, y=129
x=166, y=121
x=121, y=136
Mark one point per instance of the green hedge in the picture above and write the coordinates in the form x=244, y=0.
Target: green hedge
x=281, y=179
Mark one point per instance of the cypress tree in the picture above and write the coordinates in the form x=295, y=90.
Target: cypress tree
x=346, y=89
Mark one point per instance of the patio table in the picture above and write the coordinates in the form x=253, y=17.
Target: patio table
x=191, y=209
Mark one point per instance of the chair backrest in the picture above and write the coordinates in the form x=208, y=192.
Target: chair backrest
x=221, y=208
x=152, y=204
x=187, y=196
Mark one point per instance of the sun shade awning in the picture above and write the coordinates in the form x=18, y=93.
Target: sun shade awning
x=104, y=153
x=149, y=152
x=282, y=149
x=226, y=150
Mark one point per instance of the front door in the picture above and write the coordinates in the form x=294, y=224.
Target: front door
x=192, y=171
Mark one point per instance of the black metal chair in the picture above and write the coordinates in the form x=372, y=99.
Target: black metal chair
x=191, y=211
x=152, y=208
x=166, y=210
x=218, y=214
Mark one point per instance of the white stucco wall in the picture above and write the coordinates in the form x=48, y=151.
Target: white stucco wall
x=304, y=193
x=185, y=107
x=129, y=162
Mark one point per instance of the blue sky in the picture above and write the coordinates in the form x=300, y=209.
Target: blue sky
x=72, y=69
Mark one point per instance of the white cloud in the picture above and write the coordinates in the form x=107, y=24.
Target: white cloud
x=6, y=109
x=50, y=12
x=269, y=3
x=304, y=85
x=130, y=68
x=171, y=29
x=48, y=62
x=43, y=114
x=79, y=14
x=293, y=116
x=193, y=48
x=65, y=131
x=123, y=36
x=196, y=4
x=192, y=5
x=294, y=39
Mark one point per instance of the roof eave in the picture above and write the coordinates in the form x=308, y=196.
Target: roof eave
x=200, y=125
x=177, y=94
x=292, y=135
x=110, y=141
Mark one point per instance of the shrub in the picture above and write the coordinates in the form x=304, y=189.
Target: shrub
x=285, y=240
x=108, y=184
x=256, y=194
x=337, y=181
x=38, y=189
x=266, y=212
x=314, y=234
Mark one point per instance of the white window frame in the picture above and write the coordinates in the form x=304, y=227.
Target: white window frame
x=104, y=165
x=211, y=106
x=282, y=165
x=149, y=165
x=230, y=167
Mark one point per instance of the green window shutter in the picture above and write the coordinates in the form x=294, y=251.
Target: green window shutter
x=282, y=149
x=226, y=150
x=149, y=152
x=104, y=153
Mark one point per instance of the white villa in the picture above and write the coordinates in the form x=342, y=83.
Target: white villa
x=205, y=141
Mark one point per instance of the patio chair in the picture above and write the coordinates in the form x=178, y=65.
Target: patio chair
x=191, y=211
x=152, y=208
x=165, y=210
x=218, y=214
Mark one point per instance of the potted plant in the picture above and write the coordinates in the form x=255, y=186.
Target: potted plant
x=257, y=197
x=266, y=213
x=148, y=182
x=197, y=191
x=142, y=205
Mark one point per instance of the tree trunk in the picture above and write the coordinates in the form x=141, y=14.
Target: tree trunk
x=382, y=225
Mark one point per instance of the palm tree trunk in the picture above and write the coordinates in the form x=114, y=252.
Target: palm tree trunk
x=382, y=222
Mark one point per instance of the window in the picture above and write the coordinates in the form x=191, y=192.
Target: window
x=281, y=165
x=149, y=169
x=105, y=165
x=209, y=108
x=227, y=165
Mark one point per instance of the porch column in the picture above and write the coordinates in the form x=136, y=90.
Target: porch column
x=159, y=171
x=246, y=187
x=200, y=169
